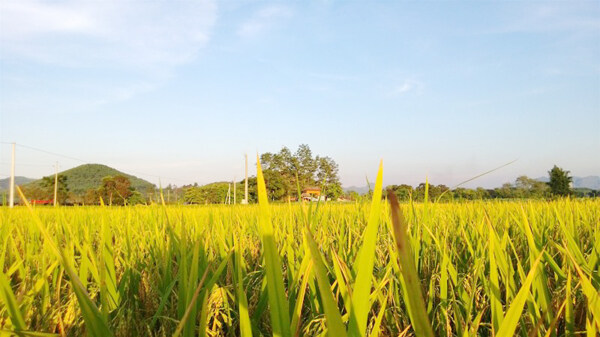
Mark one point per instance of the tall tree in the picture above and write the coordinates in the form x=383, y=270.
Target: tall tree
x=505, y=192
x=530, y=188
x=306, y=165
x=62, y=192
x=215, y=193
x=560, y=181
x=116, y=190
x=327, y=177
x=403, y=192
x=91, y=197
x=286, y=172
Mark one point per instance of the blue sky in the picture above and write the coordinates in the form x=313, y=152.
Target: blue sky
x=182, y=89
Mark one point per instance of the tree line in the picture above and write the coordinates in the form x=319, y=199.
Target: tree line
x=559, y=185
x=286, y=175
x=113, y=190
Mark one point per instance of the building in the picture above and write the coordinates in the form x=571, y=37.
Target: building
x=41, y=202
x=312, y=194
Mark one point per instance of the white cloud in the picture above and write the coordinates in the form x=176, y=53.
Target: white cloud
x=141, y=34
x=105, y=51
x=262, y=20
x=580, y=17
x=406, y=86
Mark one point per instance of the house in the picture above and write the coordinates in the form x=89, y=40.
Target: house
x=312, y=194
x=41, y=202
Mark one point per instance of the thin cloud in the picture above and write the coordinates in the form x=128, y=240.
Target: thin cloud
x=333, y=77
x=24, y=19
x=578, y=17
x=407, y=86
x=263, y=20
x=129, y=47
x=70, y=33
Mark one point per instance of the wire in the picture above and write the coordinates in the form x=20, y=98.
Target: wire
x=86, y=161
x=26, y=164
x=48, y=152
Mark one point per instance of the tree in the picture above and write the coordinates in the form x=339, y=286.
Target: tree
x=277, y=185
x=505, y=192
x=560, y=182
x=464, y=193
x=136, y=198
x=306, y=165
x=116, y=190
x=353, y=195
x=482, y=193
x=92, y=197
x=530, y=188
x=35, y=191
x=214, y=193
x=403, y=192
x=433, y=192
x=327, y=178
x=280, y=170
x=286, y=172
x=62, y=192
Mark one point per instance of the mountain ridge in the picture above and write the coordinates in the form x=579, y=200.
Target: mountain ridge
x=19, y=180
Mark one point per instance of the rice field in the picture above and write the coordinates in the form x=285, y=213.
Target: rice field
x=372, y=268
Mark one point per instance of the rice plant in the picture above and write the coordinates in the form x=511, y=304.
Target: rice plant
x=377, y=268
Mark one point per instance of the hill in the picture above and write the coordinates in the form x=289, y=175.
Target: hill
x=358, y=189
x=84, y=177
x=591, y=182
x=5, y=183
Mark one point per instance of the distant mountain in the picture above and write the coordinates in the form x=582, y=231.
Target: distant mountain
x=5, y=183
x=84, y=177
x=591, y=182
x=357, y=189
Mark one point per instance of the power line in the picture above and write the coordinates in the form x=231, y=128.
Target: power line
x=25, y=164
x=48, y=152
x=86, y=161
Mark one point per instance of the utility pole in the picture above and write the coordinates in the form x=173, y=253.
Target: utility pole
x=11, y=202
x=55, y=183
x=234, y=192
x=229, y=194
x=245, y=201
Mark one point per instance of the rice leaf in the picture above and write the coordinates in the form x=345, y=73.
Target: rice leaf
x=411, y=284
x=278, y=302
x=335, y=326
x=364, y=264
x=511, y=319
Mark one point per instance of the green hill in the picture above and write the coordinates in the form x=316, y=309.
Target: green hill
x=84, y=177
x=5, y=183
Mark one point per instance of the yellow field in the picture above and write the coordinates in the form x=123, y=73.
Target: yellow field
x=485, y=268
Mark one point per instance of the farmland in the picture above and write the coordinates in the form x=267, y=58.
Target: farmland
x=484, y=268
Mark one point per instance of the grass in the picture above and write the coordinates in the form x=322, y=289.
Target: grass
x=493, y=268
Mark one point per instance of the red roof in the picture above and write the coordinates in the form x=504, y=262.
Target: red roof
x=42, y=202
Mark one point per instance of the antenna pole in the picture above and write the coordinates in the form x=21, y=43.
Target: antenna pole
x=11, y=202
